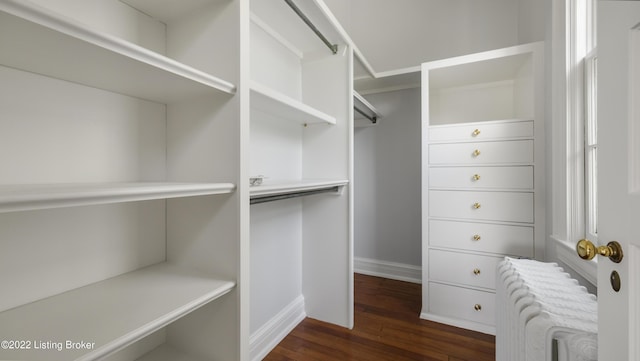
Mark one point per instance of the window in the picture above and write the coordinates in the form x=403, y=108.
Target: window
x=574, y=131
x=586, y=53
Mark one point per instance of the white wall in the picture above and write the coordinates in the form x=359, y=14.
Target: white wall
x=387, y=181
x=531, y=20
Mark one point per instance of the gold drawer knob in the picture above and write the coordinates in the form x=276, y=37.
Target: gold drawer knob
x=476, y=153
x=476, y=133
x=476, y=177
x=476, y=237
x=476, y=271
x=477, y=307
x=476, y=205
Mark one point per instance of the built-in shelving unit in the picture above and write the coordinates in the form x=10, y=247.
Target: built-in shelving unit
x=301, y=131
x=482, y=178
x=122, y=202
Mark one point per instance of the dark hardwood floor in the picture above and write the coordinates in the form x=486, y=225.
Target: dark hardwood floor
x=387, y=327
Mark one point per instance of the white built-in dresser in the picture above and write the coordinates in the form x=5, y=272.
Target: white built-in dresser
x=482, y=178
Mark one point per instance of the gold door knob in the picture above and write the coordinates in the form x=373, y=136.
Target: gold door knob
x=476, y=133
x=476, y=271
x=476, y=205
x=476, y=177
x=476, y=153
x=476, y=237
x=587, y=250
x=477, y=307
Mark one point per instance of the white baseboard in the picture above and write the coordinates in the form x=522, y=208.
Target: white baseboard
x=267, y=337
x=392, y=270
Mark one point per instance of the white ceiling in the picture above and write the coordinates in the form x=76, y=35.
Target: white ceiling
x=396, y=36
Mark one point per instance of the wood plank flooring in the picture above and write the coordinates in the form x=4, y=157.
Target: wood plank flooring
x=386, y=327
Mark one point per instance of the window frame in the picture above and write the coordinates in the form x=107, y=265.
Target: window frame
x=591, y=145
x=573, y=33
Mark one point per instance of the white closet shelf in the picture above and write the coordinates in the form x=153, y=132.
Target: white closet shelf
x=273, y=102
x=113, y=313
x=481, y=122
x=285, y=187
x=42, y=196
x=166, y=353
x=57, y=46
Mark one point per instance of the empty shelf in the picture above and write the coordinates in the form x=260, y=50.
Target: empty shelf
x=280, y=190
x=283, y=106
x=56, y=46
x=166, y=353
x=109, y=315
x=43, y=196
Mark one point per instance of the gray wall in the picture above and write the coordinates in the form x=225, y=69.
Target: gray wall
x=387, y=181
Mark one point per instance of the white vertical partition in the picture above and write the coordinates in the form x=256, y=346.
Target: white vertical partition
x=328, y=153
x=301, y=139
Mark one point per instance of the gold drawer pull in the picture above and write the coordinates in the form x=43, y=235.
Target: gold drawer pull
x=477, y=307
x=476, y=271
x=476, y=237
x=476, y=205
x=476, y=133
x=476, y=153
x=476, y=177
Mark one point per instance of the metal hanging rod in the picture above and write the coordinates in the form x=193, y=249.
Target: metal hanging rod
x=277, y=197
x=296, y=9
x=373, y=119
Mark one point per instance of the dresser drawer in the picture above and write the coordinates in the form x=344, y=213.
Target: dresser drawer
x=462, y=303
x=463, y=268
x=482, y=237
x=479, y=131
x=496, y=206
x=507, y=152
x=515, y=177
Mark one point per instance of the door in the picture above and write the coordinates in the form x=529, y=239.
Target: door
x=618, y=180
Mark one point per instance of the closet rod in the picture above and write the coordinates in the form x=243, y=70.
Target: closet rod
x=277, y=197
x=373, y=119
x=296, y=9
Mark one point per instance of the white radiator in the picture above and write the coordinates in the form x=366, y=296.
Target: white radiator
x=539, y=305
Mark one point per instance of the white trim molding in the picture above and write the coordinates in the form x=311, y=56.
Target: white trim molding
x=276, y=329
x=391, y=270
x=634, y=111
x=567, y=255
